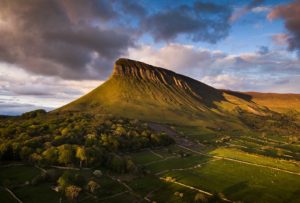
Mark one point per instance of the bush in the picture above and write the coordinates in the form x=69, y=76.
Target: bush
x=200, y=198
x=72, y=192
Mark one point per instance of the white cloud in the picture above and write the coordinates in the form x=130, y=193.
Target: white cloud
x=28, y=91
x=185, y=59
x=260, y=9
x=274, y=71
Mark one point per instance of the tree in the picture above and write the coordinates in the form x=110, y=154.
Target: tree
x=70, y=178
x=130, y=166
x=72, y=192
x=25, y=152
x=120, y=130
x=35, y=158
x=64, y=181
x=66, y=154
x=93, y=186
x=118, y=164
x=65, y=131
x=81, y=155
x=6, y=152
x=51, y=155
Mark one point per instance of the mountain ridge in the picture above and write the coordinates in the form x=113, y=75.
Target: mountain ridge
x=139, y=90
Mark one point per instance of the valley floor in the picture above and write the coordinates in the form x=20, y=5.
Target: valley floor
x=181, y=171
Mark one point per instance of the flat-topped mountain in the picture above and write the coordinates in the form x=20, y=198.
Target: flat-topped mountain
x=143, y=91
x=125, y=69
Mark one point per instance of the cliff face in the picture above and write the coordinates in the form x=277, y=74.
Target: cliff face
x=126, y=68
x=142, y=71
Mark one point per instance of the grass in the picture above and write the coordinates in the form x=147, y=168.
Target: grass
x=37, y=194
x=109, y=187
x=237, y=181
x=242, y=182
x=146, y=184
x=167, y=194
x=176, y=163
x=144, y=157
x=6, y=197
x=197, y=133
x=126, y=197
x=17, y=174
x=257, y=159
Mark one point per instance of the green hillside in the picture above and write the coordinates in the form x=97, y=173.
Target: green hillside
x=139, y=90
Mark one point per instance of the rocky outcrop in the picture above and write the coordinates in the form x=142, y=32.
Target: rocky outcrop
x=135, y=69
x=127, y=68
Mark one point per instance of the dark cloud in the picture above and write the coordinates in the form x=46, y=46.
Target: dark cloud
x=76, y=39
x=263, y=50
x=200, y=22
x=291, y=15
x=63, y=38
x=133, y=8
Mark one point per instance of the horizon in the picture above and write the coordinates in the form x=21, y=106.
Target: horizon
x=62, y=50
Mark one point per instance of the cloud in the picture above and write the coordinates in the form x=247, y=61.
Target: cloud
x=13, y=108
x=260, y=9
x=246, y=83
x=185, y=59
x=133, y=8
x=280, y=39
x=47, y=91
x=195, y=22
x=252, y=6
x=264, y=70
x=76, y=39
x=290, y=13
x=263, y=50
x=69, y=38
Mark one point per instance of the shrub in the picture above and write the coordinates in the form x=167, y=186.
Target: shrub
x=72, y=192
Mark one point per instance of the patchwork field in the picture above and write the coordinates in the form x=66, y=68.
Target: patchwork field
x=238, y=170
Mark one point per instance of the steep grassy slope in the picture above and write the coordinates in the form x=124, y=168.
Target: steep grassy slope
x=142, y=91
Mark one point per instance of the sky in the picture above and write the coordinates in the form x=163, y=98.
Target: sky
x=54, y=51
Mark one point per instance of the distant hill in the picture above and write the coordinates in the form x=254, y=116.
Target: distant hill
x=277, y=102
x=139, y=90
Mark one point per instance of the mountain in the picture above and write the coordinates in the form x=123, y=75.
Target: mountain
x=139, y=90
x=277, y=102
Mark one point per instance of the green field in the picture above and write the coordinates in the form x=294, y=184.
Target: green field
x=242, y=182
x=238, y=175
x=17, y=174
x=15, y=177
x=257, y=159
x=6, y=197
x=37, y=194
x=237, y=181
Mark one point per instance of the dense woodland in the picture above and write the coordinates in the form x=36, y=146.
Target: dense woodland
x=75, y=139
x=281, y=124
